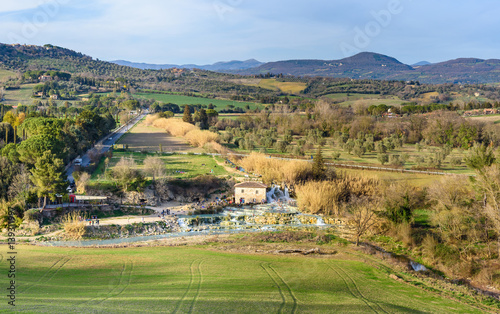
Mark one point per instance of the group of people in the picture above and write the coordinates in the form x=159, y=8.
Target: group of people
x=163, y=213
x=93, y=220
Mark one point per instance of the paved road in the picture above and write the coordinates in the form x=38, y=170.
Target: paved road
x=104, y=144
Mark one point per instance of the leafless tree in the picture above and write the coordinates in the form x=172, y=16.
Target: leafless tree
x=363, y=213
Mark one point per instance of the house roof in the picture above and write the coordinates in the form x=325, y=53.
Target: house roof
x=251, y=185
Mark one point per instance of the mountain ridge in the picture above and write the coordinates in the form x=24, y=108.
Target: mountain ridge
x=218, y=66
x=365, y=65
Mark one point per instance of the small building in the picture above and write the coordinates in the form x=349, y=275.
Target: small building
x=250, y=192
x=45, y=78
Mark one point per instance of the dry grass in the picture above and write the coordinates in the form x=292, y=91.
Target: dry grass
x=174, y=127
x=328, y=197
x=199, y=138
x=274, y=170
x=150, y=119
x=73, y=226
x=213, y=147
x=179, y=128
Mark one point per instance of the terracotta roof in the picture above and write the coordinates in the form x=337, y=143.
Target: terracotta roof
x=251, y=185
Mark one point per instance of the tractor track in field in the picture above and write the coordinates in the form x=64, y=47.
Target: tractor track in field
x=354, y=289
x=120, y=288
x=195, y=267
x=278, y=286
x=117, y=289
x=198, y=288
x=58, y=264
x=277, y=279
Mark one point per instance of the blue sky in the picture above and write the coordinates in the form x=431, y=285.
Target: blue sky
x=207, y=31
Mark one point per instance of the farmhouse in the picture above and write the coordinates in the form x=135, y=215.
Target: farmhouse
x=250, y=192
x=45, y=78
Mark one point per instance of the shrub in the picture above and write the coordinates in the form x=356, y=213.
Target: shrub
x=456, y=161
x=74, y=226
x=32, y=215
x=400, y=200
x=396, y=160
x=383, y=158
x=199, y=138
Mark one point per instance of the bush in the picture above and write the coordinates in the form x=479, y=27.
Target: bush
x=395, y=160
x=74, y=226
x=32, y=215
x=199, y=138
x=400, y=200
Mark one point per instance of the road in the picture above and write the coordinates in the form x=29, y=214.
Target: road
x=104, y=144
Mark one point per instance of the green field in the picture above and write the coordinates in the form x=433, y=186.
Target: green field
x=365, y=99
x=201, y=280
x=177, y=166
x=19, y=96
x=188, y=100
x=5, y=75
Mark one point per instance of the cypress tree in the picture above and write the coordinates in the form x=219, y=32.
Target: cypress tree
x=318, y=165
x=187, y=115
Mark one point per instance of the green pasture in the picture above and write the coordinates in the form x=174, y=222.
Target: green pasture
x=22, y=95
x=177, y=166
x=188, y=100
x=6, y=74
x=199, y=280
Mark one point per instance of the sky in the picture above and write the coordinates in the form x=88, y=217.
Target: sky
x=208, y=31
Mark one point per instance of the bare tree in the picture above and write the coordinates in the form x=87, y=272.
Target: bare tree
x=82, y=182
x=154, y=166
x=21, y=185
x=488, y=183
x=125, y=172
x=363, y=213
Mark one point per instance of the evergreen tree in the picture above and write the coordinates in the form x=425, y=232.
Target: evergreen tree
x=203, y=119
x=47, y=176
x=318, y=165
x=187, y=115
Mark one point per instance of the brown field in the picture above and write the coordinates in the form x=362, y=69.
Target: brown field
x=487, y=118
x=148, y=138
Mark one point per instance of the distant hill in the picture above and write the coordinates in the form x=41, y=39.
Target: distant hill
x=368, y=65
x=365, y=65
x=219, y=66
x=49, y=57
x=421, y=63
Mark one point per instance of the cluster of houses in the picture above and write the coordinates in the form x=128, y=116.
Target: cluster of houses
x=481, y=112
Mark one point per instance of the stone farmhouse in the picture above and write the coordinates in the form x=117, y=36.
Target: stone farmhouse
x=250, y=193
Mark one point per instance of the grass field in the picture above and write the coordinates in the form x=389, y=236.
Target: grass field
x=187, y=100
x=287, y=87
x=177, y=166
x=19, y=96
x=5, y=75
x=487, y=118
x=199, y=280
x=365, y=99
